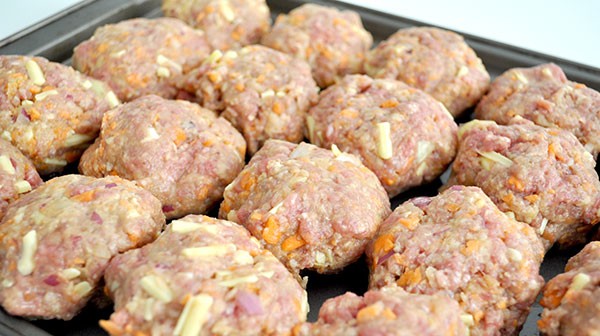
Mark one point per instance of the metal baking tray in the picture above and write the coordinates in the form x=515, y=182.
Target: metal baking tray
x=56, y=39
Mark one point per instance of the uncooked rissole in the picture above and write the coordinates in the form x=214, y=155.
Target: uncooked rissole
x=402, y=134
x=17, y=175
x=263, y=93
x=50, y=112
x=228, y=24
x=203, y=276
x=311, y=207
x=141, y=56
x=434, y=60
x=544, y=95
x=460, y=244
x=333, y=42
x=56, y=241
x=183, y=154
x=570, y=299
x=543, y=177
x=389, y=311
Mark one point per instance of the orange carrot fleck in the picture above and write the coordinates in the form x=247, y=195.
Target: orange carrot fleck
x=248, y=180
x=292, y=243
x=111, y=327
x=516, y=183
x=85, y=196
x=179, y=136
x=532, y=198
x=277, y=108
x=410, y=278
x=271, y=233
x=389, y=103
x=383, y=244
x=410, y=223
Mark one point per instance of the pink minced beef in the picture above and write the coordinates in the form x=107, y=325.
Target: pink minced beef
x=17, y=175
x=182, y=153
x=264, y=93
x=56, y=241
x=402, y=134
x=460, y=244
x=49, y=111
x=333, y=42
x=203, y=276
x=544, y=95
x=228, y=24
x=434, y=60
x=389, y=311
x=142, y=56
x=314, y=209
x=570, y=299
x=543, y=177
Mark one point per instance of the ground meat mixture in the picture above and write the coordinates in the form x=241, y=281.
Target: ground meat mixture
x=183, y=154
x=142, y=56
x=17, y=175
x=203, y=276
x=387, y=312
x=227, y=23
x=333, y=42
x=543, y=177
x=56, y=241
x=460, y=244
x=264, y=93
x=311, y=207
x=436, y=61
x=402, y=134
x=571, y=299
x=544, y=95
x=49, y=111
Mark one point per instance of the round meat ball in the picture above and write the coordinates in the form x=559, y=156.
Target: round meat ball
x=333, y=42
x=542, y=177
x=460, y=244
x=228, y=24
x=17, y=175
x=544, y=95
x=264, y=93
x=570, y=299
x=312, y=208
x=402, y=134
x=56, y=241
x=387, y=312
x=203, y=276
x=183, y=154
x=434, y=60
x=50, y=112
x=141, y=56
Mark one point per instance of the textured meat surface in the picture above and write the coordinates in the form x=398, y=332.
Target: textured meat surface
x=228, y=24
x=333, y=42
x=436, y=61
x=387, y=312
x=459, y=243
x=49, y=111
x=56, y=241
x=17, y=175
x=545, y=177
x=183, y=154
x=570, y=299
x=207, y=274
x=544, y=95
x=422, y=133
x=264, y=93
x=141, y=56
x=312, y=208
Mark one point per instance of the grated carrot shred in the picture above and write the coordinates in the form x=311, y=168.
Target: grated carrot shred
x=292, y=243
x=271, y=233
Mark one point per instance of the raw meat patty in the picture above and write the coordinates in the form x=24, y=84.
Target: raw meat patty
x=402, y=134
x=50, y=112
x=183, y=154
x=56, y=241
x=460, y=244
x=141, y=56
x=203, y=276
x=544, y=95
x=227, y=23
x=312, y=208
x=543, y=177
x=333, y=42
x=264, y=93
x=434, y=60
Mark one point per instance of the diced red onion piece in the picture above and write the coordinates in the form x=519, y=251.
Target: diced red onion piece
x=52, y=280
x=249, y=303
x=96, y=218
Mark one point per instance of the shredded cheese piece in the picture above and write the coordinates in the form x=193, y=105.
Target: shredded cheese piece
x=543, y=226
x=162, y=60
x=45, y=94
x=520, y=77
x=268, y=93
x=496, y=157
x=157, y=287
x=310, y=124
x=336, y=151
x=35, y=72
x=194, y=315
x=463, y=71
x=82, y=289
x=77, y=139
x=112, y=99
x=71, y=273
x=25, y=265
x=384, y=141
x=22, y=187
x=514, y=255
x=236, y=281
x=55, y=162
x=227, y=11
x=579, y=281
x=163, y=72
x=208, y=251
x=151, y=135
x=6, y=165
x=181, y=226
x=467, y=319
x=242, y=257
